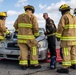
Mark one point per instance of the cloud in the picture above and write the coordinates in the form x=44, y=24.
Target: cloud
x=42, y=6
x=21, y=3
x=54, y=6
x=10, y=25
x=12, y=13
x=1, y=1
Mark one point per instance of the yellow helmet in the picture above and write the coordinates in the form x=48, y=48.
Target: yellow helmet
x=3, y=14
x=64, y=7
x=29, y=7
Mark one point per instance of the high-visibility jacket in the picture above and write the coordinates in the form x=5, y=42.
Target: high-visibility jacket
x=2, y=29
x=27, y=27
x=67, y=30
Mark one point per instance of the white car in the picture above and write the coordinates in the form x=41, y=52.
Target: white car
x=10, y=50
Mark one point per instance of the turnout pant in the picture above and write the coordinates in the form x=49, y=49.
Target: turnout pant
x=31, y=46
x=69, y=56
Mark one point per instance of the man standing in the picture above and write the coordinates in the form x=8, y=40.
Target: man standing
x=3, y=28
x=50, y=33
x=27, y=27
x=67, y=34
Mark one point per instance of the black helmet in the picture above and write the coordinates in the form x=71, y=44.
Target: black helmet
x=30, y=8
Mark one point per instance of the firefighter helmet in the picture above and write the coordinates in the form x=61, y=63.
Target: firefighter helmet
x=75, y=11
x=29, y=7
x=64, y=7
x=3, y=14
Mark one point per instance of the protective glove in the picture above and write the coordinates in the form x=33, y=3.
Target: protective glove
x=45, y=33
x=8, y=35
x=58, y=39
x=7, y=32
x=16, y=32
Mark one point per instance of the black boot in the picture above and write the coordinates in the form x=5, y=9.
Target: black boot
x=53, y=62
x=35, y=66
x=73, y=66
x=24, y=67
x=63, y=70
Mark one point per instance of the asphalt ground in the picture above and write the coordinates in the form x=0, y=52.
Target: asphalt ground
x=11, y=67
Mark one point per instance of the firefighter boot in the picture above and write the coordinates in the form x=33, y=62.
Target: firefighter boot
x=24, y=67
x=35, y=66
x=53, y=62
x=63, y=70
x=73, y=66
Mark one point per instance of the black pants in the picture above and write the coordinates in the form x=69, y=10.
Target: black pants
x=52, y=45
x=61, y=53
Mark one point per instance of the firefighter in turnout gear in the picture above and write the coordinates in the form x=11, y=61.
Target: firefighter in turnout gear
x=28, y=30
x=67, y=34
x=3, y=28
x=50, y=33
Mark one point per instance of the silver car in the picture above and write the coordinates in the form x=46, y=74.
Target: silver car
x=9, y=48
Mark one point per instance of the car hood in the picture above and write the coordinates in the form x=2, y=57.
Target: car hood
x=40, y=38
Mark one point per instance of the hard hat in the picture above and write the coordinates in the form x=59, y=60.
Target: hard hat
x=64, y=7
x=75, y=11
x=3, y=14
x=29, y=7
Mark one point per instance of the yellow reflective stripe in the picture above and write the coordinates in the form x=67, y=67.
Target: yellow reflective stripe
x=74, y=43
x=58, y=35
x=34, y=50
x=66, y=63
x=26, y=37
x=32, y=62
x=22, y=41
x=25, y=25
x=65, y=51
x=36, y=34
x=70, y=26
x=23, y=62
x=73, y=61
x=24, y=13
x=68, y=38
x=2, y=38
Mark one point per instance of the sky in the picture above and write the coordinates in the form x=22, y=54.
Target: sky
x=16, y=7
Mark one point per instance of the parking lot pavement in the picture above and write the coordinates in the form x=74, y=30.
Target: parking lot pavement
x=8, y=67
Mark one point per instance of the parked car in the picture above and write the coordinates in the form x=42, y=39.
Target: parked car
x=9, y=48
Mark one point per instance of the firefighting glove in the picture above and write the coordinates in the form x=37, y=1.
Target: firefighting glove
x=58, y=39
x=45, y=33
x=16, y=32
x=8, y=35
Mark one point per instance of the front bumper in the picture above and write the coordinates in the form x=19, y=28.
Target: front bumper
x=13, y=54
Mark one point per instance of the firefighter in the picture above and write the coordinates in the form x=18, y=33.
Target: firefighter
x=28, y=30
x=3, y=28
x=50, y=33
x=67, y=34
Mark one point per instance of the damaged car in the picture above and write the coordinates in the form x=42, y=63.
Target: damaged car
x=9, y=48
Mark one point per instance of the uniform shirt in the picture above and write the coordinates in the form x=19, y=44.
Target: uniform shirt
x=50, y=26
